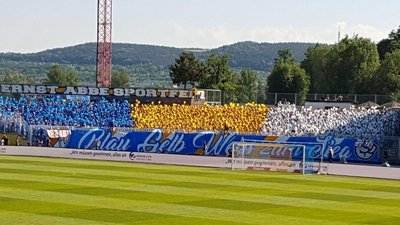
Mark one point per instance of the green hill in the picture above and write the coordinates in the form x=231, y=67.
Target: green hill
x=147, y=64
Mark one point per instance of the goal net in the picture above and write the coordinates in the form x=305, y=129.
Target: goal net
x=271, y=157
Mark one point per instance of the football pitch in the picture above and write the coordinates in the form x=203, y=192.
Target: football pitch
x=64, y=191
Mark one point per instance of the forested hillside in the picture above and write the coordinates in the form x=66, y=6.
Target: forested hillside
x=257, y=56
x=147, y=65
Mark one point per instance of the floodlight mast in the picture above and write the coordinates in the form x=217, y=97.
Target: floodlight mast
x=104, y=43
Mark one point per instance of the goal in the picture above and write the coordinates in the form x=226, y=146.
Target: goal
x=271, y=157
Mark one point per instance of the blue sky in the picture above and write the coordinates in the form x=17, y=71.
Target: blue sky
x=36, y=25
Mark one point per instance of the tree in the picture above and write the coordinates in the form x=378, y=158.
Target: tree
x=384, y=46
x=390, y=44
x=16, y=78
x=59, y=76
x=219, y=76
x=347, y=67
x=247, y=86
x=187, y=69
x=285, y=56
x=351, y=65
x=315, y=65
x=71, y=77
x=261, y=88
x=120, y=79
x=218, y=72
x=288, y=77
x=387, y=79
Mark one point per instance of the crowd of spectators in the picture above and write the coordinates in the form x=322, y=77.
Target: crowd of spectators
x=57, y=111
x=231, y=117
x=286, y=119
x=10, y=106
x=354, y=122
x=10, y=114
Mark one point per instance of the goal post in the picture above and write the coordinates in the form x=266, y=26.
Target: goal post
x=315, y=151
x=282, y=157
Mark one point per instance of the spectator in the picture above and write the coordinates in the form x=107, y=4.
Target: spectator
x=195, y=93
x=17, y=141
x=98, y=144
x=5, y=138
x=205, y=147
x=293, y=121
x=331, y=154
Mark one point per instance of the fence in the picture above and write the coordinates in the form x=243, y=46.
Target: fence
x=11, y=123
x=274, y=98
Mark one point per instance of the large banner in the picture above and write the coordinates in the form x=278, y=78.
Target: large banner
x=95, y=91
x=216, y=143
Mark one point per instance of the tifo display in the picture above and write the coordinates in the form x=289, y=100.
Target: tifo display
x=103, y=124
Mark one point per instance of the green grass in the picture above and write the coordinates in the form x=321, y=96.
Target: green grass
x=61, y=191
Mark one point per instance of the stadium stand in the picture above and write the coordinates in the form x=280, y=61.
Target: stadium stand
x=232, y=117
x=284, y=120
x=354, y=122
x=56, y=111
